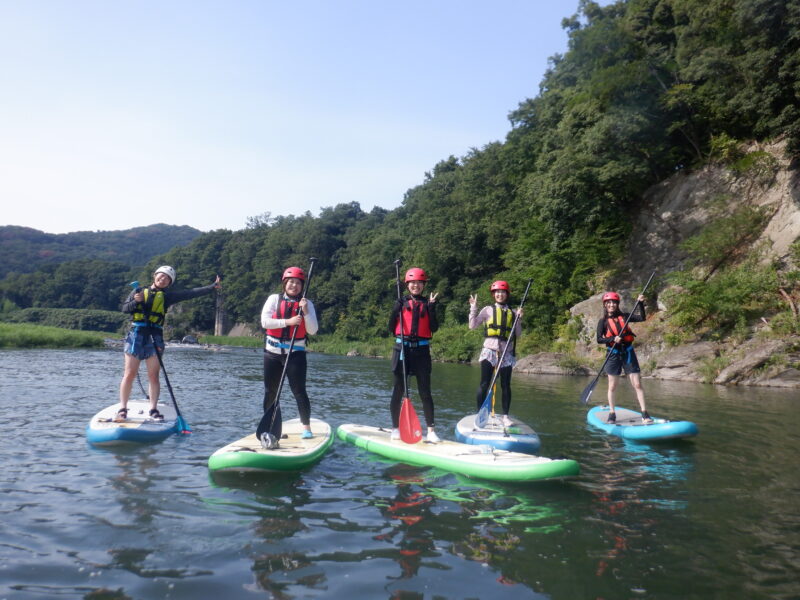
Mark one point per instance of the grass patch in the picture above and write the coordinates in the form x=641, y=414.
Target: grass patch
x=26, y=335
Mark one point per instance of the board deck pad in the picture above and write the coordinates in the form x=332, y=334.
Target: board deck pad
x=293, y=452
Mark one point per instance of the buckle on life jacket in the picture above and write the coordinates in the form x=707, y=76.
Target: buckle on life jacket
x=414, y=344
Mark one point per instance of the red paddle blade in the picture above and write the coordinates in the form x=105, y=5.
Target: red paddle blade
x=410, y=429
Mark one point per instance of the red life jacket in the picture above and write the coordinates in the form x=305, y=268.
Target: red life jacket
x=415, y=319
x=286, y=310
x=613, y=328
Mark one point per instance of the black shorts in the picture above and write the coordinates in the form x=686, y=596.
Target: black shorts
x=624, y=358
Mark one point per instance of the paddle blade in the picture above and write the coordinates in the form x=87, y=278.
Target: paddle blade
x=483, y=414
x=587, y=392
x=183, y=426
x=410, y=429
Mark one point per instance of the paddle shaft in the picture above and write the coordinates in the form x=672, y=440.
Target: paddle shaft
x=291, y=341
x=510, y=338
x=402, y=333
x=590, y=388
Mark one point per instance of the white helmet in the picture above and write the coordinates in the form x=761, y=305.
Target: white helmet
x=168, y=271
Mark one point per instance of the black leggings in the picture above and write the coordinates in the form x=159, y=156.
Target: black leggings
x=505, y=384
x=296, y=374
x=419, y=364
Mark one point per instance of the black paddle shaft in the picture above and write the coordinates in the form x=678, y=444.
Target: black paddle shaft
x=294, y=335
x=510, y=336
x=402, y=333
x=590, y=388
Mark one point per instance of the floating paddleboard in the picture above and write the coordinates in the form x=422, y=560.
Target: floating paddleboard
x=629, y=425
x=137, y=428
x=292, y=454
x=515, y=438
x=484, y=462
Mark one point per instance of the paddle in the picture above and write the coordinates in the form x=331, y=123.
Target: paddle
x=291, y=343
x=587, y=392
x=183, y=426
x=483, y=414
x=410, y=429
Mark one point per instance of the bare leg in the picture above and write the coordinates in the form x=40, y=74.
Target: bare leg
x=612, y=387
x=155, y=383
x=131, y=368
x=636, y=382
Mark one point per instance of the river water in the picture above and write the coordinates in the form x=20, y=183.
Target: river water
x=713, y=517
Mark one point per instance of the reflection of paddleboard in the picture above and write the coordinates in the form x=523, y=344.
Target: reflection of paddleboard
x=630, y=427
x=292, y=454
x=482, y=461
x=515, y=438
x=138, y=427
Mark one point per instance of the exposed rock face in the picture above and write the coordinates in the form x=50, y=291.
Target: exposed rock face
x=674, y=211
x=549, y=364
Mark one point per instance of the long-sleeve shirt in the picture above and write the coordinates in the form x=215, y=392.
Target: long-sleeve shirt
x=170, y=297
x=493, y=346
x=268, y=322
x=637, y=315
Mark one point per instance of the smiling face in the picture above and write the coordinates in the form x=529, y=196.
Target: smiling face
x=416, y=287
x=293, y=286
x=162, y=280
x=500, y=296
x=611, y=306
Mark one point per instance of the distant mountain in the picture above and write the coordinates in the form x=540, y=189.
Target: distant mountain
x=24, y=250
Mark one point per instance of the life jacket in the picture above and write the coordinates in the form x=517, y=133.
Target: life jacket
x=499, y=323
x=613, y=328
x=152, y=310
x=415, y=318
x=286, y=310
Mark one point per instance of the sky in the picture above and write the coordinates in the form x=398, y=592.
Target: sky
x=206, y=113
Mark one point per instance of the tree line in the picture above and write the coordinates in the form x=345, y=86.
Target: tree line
x=645, y=89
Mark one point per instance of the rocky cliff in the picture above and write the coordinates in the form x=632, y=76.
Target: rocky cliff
x=676, y=210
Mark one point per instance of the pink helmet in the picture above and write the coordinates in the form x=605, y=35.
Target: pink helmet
x=416, y=274
x=500, y=285
x=611, y=296
x=295, y=272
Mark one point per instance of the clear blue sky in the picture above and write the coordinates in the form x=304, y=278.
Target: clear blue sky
x=120, y=114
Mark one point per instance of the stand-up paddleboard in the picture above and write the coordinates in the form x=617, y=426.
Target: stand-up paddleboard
x=484, y=462
x=629, y=425
x=137, y=428
x=514, y=438
x=292, y=454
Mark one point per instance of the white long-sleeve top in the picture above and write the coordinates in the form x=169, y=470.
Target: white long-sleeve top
x=267, y=322
x=493, y=346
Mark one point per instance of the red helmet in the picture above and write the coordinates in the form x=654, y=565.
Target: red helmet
x=611, y=296
x=295, y=272
x=500, y=285
x=416, y=274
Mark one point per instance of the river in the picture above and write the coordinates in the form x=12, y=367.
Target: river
x=713, y=517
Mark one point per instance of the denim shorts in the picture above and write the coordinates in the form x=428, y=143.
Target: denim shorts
x=139, y=342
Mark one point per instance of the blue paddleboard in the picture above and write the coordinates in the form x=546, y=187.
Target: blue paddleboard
x=516, y=438
x=103, y=430
x=629, y=425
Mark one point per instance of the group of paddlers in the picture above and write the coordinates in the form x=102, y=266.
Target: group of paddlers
x=288, y=317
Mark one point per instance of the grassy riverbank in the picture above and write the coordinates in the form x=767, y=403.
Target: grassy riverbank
x=26, y=335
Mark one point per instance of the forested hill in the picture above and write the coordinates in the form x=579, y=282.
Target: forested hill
x=24, y=250
x=646, y=89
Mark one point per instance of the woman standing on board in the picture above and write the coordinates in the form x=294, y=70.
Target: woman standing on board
x=619, y=342
x=281, y=318
x=497, y=320
x=417, y=318
x=148, y=308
